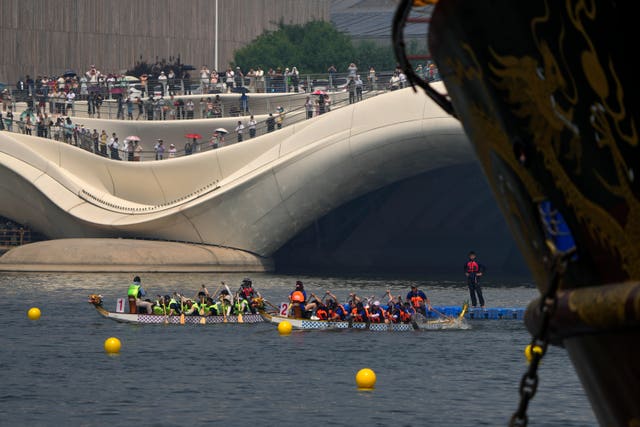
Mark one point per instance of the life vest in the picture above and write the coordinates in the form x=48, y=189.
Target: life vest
x=173, y=303
x=133, y=291
x=240, y=306
x=157, y=309
x=214, y=309
x=473, y=267
x=416, y=300
x=222, y=307
x=297, y=296
x=375, y=315
x=322, y=314
x=405, y=316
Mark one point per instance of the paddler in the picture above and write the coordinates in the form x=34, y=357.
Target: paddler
x=337, y=311
x=172, y=306
x=394, y=311
x=241, y=305
x=224, y=304
x=191, y=309
x=203, y=292
x=376, y=313
x=158, y=306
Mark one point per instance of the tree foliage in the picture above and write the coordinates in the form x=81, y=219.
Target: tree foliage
x=312, y=48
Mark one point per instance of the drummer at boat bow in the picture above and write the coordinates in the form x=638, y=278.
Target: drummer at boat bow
x=134, y=295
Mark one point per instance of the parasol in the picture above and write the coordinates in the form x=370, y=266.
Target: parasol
x=133, y=138
x=193, y=136
x=222, y=131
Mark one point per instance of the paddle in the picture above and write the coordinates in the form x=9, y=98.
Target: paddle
x=240, y=308
x=414, y=324
x=447, y=317
x=181, y=308
x=225, y=311
x=166, y=318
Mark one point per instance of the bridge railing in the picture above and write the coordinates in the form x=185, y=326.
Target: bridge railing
x=28, y=124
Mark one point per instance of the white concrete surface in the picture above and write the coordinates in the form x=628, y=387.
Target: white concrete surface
x=252, y=196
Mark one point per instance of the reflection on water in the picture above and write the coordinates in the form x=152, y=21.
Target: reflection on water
x=55, y=371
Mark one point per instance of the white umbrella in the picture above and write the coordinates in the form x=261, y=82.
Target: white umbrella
x=222, y=131
x=131, y=79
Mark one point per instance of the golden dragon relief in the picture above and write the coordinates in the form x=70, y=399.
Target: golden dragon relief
x=540, y=93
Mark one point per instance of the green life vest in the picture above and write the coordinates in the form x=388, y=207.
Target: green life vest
x=240, y=306
x=215, y=308
x=134, y=290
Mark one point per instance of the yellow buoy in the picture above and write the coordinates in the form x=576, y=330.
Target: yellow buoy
x=34, y=313
x=284, y=328
x=112, y=345
x=366, y=379
x=529, y=351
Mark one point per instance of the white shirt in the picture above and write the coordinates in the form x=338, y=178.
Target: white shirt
x=240, y=128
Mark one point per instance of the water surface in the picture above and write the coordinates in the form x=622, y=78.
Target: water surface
x=55, y=372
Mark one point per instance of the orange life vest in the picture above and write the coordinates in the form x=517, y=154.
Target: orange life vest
x=322, y=314
x=297, y=296
x=416, y=300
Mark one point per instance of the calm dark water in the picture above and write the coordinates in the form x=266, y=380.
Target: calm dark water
x=55, y=372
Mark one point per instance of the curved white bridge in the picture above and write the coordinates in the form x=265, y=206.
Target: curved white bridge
x=252, y=196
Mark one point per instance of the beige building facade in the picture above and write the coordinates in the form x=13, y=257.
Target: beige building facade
x=51, y=36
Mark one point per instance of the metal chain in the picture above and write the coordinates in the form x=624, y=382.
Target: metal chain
x=548, y=304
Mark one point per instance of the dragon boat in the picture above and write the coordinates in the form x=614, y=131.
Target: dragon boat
x=143, y=318
x=419, y=323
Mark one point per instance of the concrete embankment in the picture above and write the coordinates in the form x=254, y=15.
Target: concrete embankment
x=128, y=255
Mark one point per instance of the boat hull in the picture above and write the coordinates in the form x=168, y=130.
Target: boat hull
x=309, y=324
x=160, y=319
